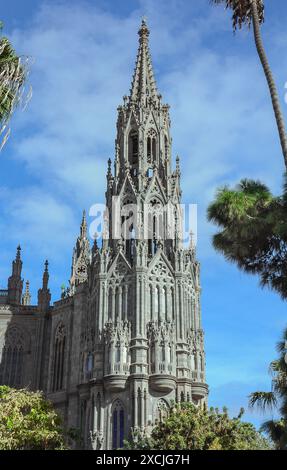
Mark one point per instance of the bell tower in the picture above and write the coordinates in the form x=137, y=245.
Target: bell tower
x=144, y=342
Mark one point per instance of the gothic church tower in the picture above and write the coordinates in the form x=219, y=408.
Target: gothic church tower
x=142, y=341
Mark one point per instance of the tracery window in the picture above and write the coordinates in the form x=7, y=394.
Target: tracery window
x=11, y=367
x=118, y=425
x=133, y=147
x=59, y=358
x=151, y=146
x=162, y=409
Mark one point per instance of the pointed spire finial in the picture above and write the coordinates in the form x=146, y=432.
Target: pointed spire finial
x=109, y=173
x=84, y=225
x=44, y=295
x=143, y=89
x=18, y=255
x=177, y=164
x=143, y=31
x=46, y=275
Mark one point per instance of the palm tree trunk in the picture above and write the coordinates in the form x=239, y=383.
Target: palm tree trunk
x=270, y=79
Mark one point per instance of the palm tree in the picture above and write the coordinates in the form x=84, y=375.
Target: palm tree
x=12, y=78
x=276, y=399
x=253, y=231
x=252, y=11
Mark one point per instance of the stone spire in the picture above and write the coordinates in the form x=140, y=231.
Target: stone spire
x=83, y=229
x=26, y=299
x=81, y=257
x=15, y=283
x=143, y=83
x=46, y=276
x=44, y=295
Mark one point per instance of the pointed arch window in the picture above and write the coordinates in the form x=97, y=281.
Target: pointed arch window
x=151, y=146
x=118, y=425
x=118, y=352
x=164, y=299
x=133, y=147
x=98, y=410
x=162, y=410
x=89, y=365
x=130, y=243
x=59, y=358
x=12, y=362
x=110, y=303
x=156, y=303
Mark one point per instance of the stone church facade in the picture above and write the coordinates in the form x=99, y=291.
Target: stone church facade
x=125, y=340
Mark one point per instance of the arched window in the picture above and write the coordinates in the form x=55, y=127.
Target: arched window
x=156, y=303
x=172, y=303
x=133, y=147
x=110, y=303
x=11, y=367
x=117, y=304
x=162, y=349
x=130, y=244
x=89, y=364
x=59, y=358
x=161, y=411
x=118, y=352
x=164, y=299
x=118, y=425
x=98, y=409
x=151, y=146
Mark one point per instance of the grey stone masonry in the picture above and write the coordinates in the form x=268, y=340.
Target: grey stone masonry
x=125, y=340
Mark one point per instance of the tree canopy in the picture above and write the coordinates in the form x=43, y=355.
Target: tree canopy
x=253, y=232
x=28, y=422
x=188, y=427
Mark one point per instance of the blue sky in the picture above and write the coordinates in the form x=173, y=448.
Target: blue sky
x=54, y=163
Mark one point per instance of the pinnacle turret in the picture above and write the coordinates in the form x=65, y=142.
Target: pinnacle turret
x=15, y=283
x=83, y=228
x=46, y=275
x=81, y=256
x=44, y=295
x=26, y=299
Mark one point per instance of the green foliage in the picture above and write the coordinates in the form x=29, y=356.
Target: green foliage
x=28, y=422
x=276, y=398
x=253, y=231
x=13, y=75
x=188, y=427
x=241, y=11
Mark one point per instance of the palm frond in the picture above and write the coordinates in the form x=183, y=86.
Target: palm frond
x=241, y=11
x=276, y=430
x=263, y=400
